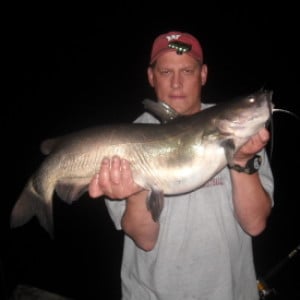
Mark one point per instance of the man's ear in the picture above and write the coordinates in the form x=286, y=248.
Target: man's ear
x=204, y=71
x=150, y=76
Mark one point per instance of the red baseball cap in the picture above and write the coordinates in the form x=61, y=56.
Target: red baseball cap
x=181, y=42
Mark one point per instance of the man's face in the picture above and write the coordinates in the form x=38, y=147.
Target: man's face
x=178, y=80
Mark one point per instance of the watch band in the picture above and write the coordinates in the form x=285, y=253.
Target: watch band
x=251, y=167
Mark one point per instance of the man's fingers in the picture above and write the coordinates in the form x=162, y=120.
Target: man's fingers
x=94, y=189
x=264, y=135
x=104, y=172
x=114, y=179
x=126, y=174
x=115, y=172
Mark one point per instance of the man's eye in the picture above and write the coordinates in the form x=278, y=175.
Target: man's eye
x=188, y=71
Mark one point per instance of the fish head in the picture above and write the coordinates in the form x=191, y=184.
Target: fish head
x=246, y=115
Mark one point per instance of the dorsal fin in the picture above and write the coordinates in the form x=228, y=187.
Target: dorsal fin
x=161, y=110
x=47, y=145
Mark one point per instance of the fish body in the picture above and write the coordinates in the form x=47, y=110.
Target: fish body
x=171, y=158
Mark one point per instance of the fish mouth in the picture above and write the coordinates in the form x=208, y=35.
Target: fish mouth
x=246, y=123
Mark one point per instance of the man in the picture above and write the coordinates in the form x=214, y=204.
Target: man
x=201, y=246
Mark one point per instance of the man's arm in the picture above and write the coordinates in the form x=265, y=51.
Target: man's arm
x=251, y=202
x=114, y=180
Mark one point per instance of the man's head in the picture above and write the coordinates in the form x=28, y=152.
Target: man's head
x=179, y=42
x=177, y=72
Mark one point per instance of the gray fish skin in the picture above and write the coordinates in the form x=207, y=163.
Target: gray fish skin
x=174, y=157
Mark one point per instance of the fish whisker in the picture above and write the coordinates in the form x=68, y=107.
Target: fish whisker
x=287, y=112
x=270, y=123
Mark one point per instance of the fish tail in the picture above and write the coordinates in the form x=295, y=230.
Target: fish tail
x=29, y=205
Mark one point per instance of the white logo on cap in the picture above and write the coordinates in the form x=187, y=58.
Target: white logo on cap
x=172, y=37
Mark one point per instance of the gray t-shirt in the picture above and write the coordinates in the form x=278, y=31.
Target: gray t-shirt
x=201, y=253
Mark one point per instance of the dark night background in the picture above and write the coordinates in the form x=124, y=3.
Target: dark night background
x=70, y=70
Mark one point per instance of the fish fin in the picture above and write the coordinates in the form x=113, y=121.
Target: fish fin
x=229, y=148
x=47, y=145
x=28, y=205
x=155, y=203
x=71, y=190
x=161, y=110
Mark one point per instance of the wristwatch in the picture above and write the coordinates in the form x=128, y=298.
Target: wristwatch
x=251, y=167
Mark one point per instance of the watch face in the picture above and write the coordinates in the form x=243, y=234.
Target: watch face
x=256, y=163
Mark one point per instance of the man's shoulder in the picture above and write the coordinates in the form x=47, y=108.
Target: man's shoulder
x=146, y=118
x=205, y=105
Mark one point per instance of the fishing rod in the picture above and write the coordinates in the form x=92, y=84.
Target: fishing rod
x=264, y=290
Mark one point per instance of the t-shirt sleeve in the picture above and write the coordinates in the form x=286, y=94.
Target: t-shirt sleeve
x=266, y=175
x=116, y=210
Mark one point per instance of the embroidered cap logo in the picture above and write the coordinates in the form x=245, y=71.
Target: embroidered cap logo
x=180, y=47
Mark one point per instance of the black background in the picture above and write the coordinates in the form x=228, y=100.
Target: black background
x=69, y=69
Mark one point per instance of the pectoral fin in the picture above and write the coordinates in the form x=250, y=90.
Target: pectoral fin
x=229, y=148
x=155, y=203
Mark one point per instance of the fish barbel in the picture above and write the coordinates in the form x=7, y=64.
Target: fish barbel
x=174, y=157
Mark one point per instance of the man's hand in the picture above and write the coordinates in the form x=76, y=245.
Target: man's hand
x=255, y=144
x=114, y=180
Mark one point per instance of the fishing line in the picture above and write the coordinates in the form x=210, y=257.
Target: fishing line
x=271, y=123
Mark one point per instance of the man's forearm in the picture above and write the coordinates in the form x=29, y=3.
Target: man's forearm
x=137, y=222
x=251, y=202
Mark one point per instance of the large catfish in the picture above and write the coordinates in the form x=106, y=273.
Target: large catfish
x=174, y=157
